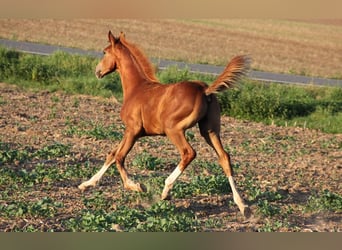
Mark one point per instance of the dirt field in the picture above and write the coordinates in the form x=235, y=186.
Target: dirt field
x=291, y=163
x=310, y=48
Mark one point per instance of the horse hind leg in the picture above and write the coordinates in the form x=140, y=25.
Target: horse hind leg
x=209, y=128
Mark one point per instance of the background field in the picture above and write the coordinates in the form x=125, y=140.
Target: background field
x=57, y=122
x=311, y=48
x=285, y=105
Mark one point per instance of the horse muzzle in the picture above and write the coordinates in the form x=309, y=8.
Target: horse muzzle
x=98, y=74
x=98, y=71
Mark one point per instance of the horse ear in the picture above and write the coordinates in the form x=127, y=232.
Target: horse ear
x=111, y=38
x=122, y=35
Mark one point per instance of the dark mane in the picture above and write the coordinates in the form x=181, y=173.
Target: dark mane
x=141, y=59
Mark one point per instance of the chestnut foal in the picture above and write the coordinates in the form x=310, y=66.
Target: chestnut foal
x=152, y=108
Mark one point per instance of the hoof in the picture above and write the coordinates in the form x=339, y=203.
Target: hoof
x=84, y=186
x=130, y=185
x=166, y=197
x=247, y=212
x=141, y=188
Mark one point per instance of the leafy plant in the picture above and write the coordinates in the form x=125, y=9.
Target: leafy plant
x=96, y=130
x=146, y=161
x=160, y=217
x=267, y=209
x=44, y=207
x=8, y=155
x=164, y=217
x=274, y=226
x=214, y=184
x=325, y=201
x=97, y=201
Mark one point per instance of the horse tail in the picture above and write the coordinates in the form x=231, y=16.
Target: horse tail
x=236, y=68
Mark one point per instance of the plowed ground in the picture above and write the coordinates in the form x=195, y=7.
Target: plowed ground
x=286, y=167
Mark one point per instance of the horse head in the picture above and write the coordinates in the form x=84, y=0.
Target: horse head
x=109, y=62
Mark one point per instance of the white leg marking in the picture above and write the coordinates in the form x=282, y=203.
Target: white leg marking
x=170, y=180
x=237, y=198
x=232, y=185
x=95, y=179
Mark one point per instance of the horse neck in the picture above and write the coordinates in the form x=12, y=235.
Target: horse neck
x=130, y=74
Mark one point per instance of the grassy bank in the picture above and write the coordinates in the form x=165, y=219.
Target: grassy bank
x=311, y=107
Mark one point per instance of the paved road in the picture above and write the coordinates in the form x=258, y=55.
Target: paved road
x=43, y=49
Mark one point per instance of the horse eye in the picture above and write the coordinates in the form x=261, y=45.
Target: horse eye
x=104, y=52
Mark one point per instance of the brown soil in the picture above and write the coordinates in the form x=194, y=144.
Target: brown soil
x=295, y=162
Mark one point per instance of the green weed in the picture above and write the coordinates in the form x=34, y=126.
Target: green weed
x=160, y=217
x=274, y=226
x=164, y=217
x=2, y=101
x=96, y=130
x=325, y=201
x=45, y=207
x=97, y=201
x=146, y=161
x=214, y=184
x=267, y=209
x=9, y=155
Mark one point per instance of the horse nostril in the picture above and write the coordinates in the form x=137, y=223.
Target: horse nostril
x=98, y=74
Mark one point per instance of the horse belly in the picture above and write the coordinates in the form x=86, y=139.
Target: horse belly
x=152, y=124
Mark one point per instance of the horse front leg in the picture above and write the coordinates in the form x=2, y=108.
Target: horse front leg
x=96, y=178
x=124, y=148
x=117, y=156
x=187, y=155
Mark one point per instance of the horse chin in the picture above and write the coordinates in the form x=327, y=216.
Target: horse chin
x=101, y=73
x=98, y=74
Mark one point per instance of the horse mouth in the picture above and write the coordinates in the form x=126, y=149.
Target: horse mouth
x=99, y=74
